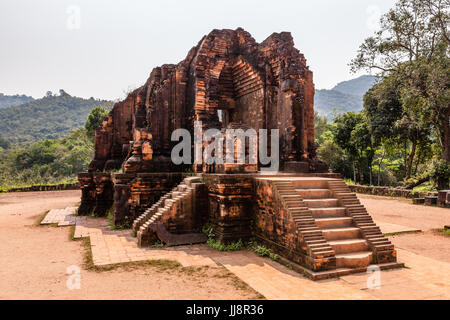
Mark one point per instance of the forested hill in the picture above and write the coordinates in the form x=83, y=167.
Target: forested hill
x=15, y=100
x=52, y=116
x=345, y=96
x=356, y=87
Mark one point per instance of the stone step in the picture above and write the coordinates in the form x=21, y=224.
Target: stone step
x=298, y=209
x=282, y=183
x=309, y=239
x=348, y=202
x=321, y=203
x=384, y=247
x=313, y=183
x=293, y=200
x=294, y=206
x=308, y=234
x=314, y=193
x=349, y=245
x=175, y=194
x=339, y=189
x=305, y=215
x=316, y=241
x=288, y=193
x=354, y=260
x=289, y=196
x=341, y=233
x=318, y=245
x=310, y=228
x=304, y=219
x=190, y=180
x=328, y=212
x=334, y=222
x=322, y=253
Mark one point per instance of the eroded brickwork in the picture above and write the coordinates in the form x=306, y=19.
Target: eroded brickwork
x=227, y=81
x=228, y=78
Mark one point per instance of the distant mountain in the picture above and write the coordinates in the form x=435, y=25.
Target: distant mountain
x=15, y=100
x=50, y=117
x=345, y=96
x=356, y=87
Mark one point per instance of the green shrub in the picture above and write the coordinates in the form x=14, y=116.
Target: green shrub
x=440, y=174
x=235, y=246
x=261, y=250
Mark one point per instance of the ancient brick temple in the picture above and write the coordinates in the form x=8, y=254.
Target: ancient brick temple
x=303, y=212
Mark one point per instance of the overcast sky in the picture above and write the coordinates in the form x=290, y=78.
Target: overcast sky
x=104, y=48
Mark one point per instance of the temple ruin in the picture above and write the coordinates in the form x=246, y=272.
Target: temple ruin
x=306, y=214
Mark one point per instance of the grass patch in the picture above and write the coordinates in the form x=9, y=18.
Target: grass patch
x=195, y=271
x=401, y=232
x=41, y=218
x=158, y=244
x=86, y=244
x=261, y=250
x=237, y=283
x=72, y=233
x=235, y=246
x=444, y=232
x=111, y=224
x=427, y=186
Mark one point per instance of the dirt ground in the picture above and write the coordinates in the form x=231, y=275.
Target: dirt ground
x=428, y=243
x=34, y=261
x=402, y=212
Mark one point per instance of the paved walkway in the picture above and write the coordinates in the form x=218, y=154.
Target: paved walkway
x=425, y=277
x=117, y=246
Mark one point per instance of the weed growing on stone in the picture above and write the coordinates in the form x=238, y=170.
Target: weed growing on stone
x=122, y=226
x=235, y=246
x=158, y=244
x=209, y=231
x=261, y=250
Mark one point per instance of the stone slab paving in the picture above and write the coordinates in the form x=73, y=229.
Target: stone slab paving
x=395, y=228
x=117, y=246
x=62, y=217
x=425, y=278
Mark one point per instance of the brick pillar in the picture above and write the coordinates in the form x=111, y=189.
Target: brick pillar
x=121, y=198
x=88, y=195
x=230, y=202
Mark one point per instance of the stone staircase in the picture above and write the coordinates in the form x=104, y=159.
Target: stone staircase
x=334, y=225
x=149, y=226
x=316, y=245
x=350, y=248
x=377, y=243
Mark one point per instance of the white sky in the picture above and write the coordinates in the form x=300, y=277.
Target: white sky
x=119, y=42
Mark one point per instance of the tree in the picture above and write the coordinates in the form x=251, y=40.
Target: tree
x=63, y=93
x=320, y=126
x=393, y=118
x=95, y=120
x=4, y=143
x=351, y=133
x=412, y=46
x=361, y=138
